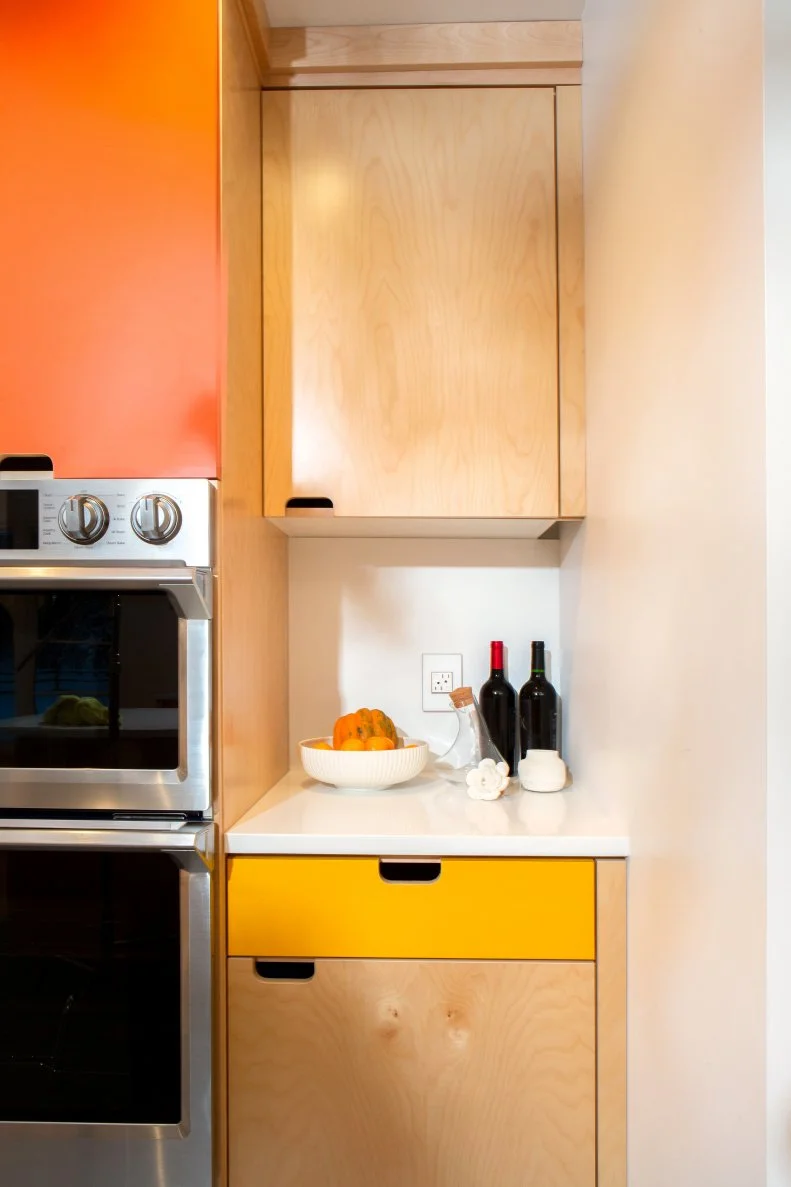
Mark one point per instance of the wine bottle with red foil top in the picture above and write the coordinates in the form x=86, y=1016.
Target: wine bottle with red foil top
x=497, y=700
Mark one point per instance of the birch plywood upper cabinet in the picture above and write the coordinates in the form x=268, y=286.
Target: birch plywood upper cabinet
x=413, y=305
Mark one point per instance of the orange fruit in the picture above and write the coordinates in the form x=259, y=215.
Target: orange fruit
x=380, y=744
x=353, y=744
x=321, y=746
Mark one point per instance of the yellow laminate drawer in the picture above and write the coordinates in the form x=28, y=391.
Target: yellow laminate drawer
x=475, y=909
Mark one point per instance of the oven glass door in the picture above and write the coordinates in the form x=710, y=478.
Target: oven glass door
x=89, y=678
x=90, y=987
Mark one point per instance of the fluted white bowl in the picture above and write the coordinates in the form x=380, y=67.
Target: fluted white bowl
x=363, y=770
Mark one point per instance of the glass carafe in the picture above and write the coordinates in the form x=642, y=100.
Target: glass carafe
x=473, y=758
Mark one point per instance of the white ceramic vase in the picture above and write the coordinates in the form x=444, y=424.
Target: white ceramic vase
x=542, y=770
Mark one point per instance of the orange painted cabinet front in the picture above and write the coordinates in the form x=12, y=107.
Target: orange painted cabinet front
x=109, y=271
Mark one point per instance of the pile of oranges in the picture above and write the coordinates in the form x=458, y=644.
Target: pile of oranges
x=358, y=744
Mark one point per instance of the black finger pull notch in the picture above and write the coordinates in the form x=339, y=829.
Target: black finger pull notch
x=409, y=871
x=33, y=463
x=305, y=504
x=285, y=970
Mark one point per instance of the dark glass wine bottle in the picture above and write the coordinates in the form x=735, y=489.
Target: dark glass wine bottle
x=497, y=702
x=538, y=708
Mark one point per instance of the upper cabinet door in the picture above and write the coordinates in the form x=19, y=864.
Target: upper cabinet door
x=410, y=301
x=109, y=310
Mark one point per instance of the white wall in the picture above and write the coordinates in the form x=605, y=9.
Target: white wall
x=778, y=437
x=362, y=612
x=663, y=590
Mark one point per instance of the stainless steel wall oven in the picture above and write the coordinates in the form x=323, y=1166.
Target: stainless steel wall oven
x=105, y=1007
x=106, y=835
x=105, y=647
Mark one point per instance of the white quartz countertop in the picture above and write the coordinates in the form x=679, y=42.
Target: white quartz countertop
x=429, y=817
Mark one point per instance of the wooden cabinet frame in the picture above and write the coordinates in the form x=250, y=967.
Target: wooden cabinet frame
x=496, y=52
x=571, y=301
x=602, y=984
x=611, y=1022
x=567, y=316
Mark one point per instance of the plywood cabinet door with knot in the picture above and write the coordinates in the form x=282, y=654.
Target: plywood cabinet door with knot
x=412, y=1074
x=413, y=313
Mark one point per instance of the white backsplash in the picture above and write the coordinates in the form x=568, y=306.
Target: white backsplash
x=362, y=612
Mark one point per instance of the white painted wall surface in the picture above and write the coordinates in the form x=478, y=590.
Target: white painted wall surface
x=363, y=611
x=663, y=590
x=778, y=464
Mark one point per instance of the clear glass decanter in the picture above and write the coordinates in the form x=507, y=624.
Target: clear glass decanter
x=472, y=748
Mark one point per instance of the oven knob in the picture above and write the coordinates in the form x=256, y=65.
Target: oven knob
x=156, y=519
x=83, y=519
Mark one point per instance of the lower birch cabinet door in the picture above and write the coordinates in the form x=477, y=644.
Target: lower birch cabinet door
x=379, y=1073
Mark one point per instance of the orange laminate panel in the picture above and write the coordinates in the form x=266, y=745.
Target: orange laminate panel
x=109, y=272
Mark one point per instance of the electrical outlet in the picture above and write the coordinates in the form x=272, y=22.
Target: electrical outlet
x=441, y=682
x=441, y=674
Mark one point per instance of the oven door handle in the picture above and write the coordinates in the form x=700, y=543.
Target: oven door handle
x=190, y=589
x=191, y=845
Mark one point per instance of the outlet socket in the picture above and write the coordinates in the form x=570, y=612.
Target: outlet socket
x=441, y=674
x=441, y=682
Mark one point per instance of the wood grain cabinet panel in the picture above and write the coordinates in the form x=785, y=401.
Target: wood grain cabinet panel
x=611, y=1022
x=410, y=301
x=409, y=1074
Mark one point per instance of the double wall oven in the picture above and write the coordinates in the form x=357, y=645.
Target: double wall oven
x=106, y=835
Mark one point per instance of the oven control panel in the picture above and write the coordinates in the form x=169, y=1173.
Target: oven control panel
x=116, y=522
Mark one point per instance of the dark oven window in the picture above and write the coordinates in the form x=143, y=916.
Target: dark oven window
x=89, y=679
x=90, y=994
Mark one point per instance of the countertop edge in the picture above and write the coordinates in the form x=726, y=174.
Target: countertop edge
x=268, y=844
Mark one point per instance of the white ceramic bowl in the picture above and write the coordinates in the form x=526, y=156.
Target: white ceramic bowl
x=364, y=770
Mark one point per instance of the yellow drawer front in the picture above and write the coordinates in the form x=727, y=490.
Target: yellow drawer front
x=477, y=909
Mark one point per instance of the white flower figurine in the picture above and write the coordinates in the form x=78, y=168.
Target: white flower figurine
x=488, y=780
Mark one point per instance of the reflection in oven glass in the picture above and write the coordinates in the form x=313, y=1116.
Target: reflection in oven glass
x=89, y=679
x=90, y=993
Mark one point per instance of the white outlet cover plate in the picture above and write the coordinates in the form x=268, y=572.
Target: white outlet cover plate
x=439, y=702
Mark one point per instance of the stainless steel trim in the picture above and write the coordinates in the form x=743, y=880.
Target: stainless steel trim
x=188, y=788
x=189, y=588
x=126, y=822
x=132, y=1155
x=190, y=840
